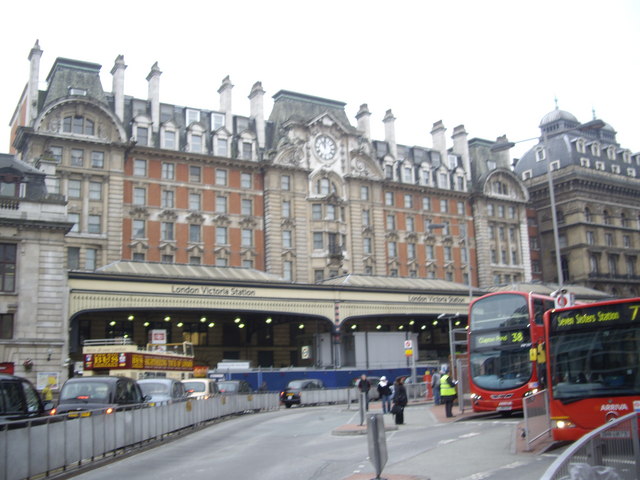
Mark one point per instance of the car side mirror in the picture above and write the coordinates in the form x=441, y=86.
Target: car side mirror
x=48, y=406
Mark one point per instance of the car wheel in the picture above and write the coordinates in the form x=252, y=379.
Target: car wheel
x=287, y=405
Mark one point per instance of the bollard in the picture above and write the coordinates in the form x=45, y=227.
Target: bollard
x=362, y=404
x=377, y=443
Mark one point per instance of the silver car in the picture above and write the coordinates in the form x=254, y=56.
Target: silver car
x=163, y=391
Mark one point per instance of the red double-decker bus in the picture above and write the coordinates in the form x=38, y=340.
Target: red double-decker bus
x=593, y=363
x=505, y=329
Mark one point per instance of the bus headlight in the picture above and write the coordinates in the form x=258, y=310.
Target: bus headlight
x=475, y=398
x=560, y=424
x=530, y=392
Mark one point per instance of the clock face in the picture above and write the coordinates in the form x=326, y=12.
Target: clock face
x=325, y=147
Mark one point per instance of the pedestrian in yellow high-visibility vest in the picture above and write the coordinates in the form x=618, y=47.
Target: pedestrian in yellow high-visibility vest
x=447, y=391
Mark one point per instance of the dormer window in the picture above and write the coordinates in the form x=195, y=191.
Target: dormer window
x=615, y=168
x=595, y=149
x=585, y=162
x=192, y=116
x=580, y=145
x=540, y=156
x=217, y=121
x=611, y=152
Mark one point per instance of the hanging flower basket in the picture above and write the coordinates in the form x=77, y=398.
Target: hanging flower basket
x=27, y=364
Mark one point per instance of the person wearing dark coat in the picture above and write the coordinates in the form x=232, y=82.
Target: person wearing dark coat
x=400, y=400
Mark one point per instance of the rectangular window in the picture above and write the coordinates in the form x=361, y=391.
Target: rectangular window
x=318, y=241
x=138, y=257
x=139, y=196
x=286, y=239
x=460, y=208
x=388, y=199
x=221, y=262
x=367, y=245
x=247, y=150
x=97, y=159
x=167, y=199
x=90, y=258
x=167, y=231
x=194, y=260
x=168, y=171
x=514, y=257
x=287, y=270
x=392, y=249
x=410, y=224
x=195, y=202
x=75, y=219
x=247, y=237
x=364, y=193
x=391, y=222
x=166, y=259
x=221, y=177
x=245, y=180
x=95, y=191
x=74, y=188
x=196, y=143
x=222, y=150
x=77, y=157
x=626, y=241
x=590, y=238
x=286, y=209
x=195, y=173
x=221, y=235
x=366, y=218
x=316, y=211
x=140, y=167
x=408, y=201
x=426, y=203
x=142, y=136
x=194, y=233
x=170, y=139
x=285, y=182
x=447, y=254
x=138, y=228
x=247, y=263
x=411, y=251
x=221, y=205
x=7, y=267
x=73, y=258
x=56, y=153
x=430, y=252
x=217, y=121
x=94, y=224
x=444, y=206
x=331, y=212
x=247, y=207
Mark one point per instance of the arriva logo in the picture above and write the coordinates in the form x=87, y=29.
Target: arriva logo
x=614, y=407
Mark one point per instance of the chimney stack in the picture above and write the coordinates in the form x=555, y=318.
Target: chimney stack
x=32, y=89
x=118, y=85
x=461, y=147
x=154, y=95
x=390, y=133
x=363, y=117
x=256, y=98
x=225, y=101
x=439, y=140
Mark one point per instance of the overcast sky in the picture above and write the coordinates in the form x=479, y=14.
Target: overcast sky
x=494, y=66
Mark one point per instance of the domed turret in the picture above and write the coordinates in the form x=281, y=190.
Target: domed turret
x=556, y=115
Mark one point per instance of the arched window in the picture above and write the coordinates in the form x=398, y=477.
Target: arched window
x=78, y=124
x=606, y=217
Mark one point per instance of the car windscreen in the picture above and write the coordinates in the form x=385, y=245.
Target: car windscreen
x=154, y=388
x=296, y=384
x=194, y=386
x=85, y=392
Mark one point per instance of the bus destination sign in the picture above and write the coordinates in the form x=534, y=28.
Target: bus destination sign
x=141, y=361
x=589, y=317
x=501, y=339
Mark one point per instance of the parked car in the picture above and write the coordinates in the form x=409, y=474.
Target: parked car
x=84, y=396
x=163, y=391
x=230, y=387
x=292, y=394
x=19, y=399
x=200, y=388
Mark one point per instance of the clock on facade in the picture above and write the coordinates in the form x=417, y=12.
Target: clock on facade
x=325, y=147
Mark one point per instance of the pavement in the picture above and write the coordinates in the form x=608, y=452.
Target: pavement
x=438, y=413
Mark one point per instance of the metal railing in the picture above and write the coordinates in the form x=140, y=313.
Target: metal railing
x=48, y=446
x=537, y=423
x=611, y=452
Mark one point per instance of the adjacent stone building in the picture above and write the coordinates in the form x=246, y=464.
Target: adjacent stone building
x=596, y=187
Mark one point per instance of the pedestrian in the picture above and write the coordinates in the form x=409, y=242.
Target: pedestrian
x=435, y=387
x=447, y=391
x=384, y=391
x=399, y=401
x=47, y=393
x=364, y=385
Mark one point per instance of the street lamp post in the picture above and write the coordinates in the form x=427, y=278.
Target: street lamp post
x=452, y=351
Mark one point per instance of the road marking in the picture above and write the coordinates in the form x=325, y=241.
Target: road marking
x=469, y=435
x=487, y=474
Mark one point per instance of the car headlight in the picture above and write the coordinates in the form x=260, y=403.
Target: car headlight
x=563, y=423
